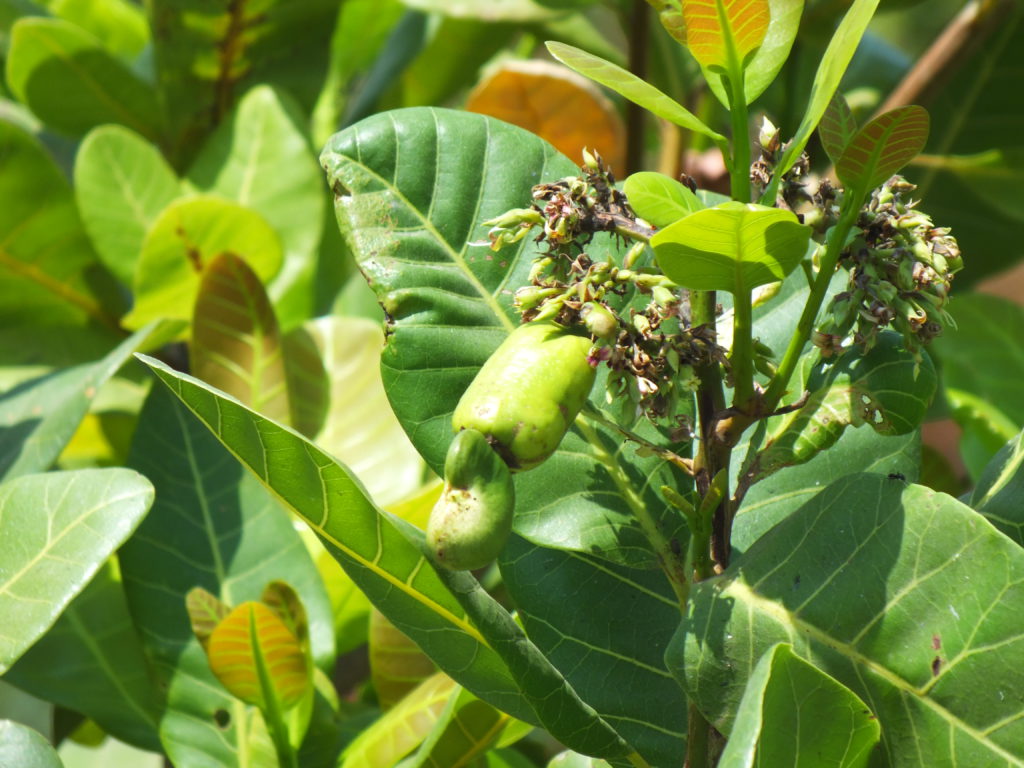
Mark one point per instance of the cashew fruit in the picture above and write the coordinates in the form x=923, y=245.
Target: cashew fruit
x=471, y=521
x=527, y=394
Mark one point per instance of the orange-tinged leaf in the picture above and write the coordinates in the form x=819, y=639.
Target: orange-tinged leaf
x=253, y=628
x=712, y=26
x=397, y=665
x=837, y=127
x=555, y=103
x=205, y=612
x=279, y=597
x=236, y=344
x=883, y=147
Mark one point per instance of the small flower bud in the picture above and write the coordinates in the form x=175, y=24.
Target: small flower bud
x=599, y=320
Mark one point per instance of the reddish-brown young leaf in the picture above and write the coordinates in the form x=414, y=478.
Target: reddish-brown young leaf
x=837, y=127
x=882, y=147
x=205, y=612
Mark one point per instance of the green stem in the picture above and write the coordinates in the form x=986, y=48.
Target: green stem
x=742, y=349
x=739, y=168
x=836, y=241
x=698, y=741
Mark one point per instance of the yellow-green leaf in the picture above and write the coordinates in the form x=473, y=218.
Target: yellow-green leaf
x=397, y=665
x=722, y=33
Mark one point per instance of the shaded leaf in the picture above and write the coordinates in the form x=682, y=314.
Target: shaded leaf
x=205, y=612
x=792, y=712
x=556, y=104
x=837, y=127
x=91, y=661
x=994, y=175
x=57, y=529
x=122, y=183
x=397, y=665
x=658, y=199
x=64, y=75
x=732, y=247
x=53, y=289
x=883, y=147
x=630, y=86
x=186, y=237
x=936, y=662
x=999, y=495
x=25, y=748
x=236, y=345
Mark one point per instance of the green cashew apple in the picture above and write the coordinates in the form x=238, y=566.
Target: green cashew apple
x=471, y=521
x=527, y=394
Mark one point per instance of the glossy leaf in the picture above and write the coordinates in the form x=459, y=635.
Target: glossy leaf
x=826, y=80
x=261, y=159
x=436, y=287
x=57, y=529
x=385, y=558
x=214, y=527
x=64, y=75
x=236, y=344
x=53, y=289
x=935, y=661
x=39, y=417
x=883, y=147
x=793, y=713
x=837, y=127
x=465, y=731
x=721, y=34
x=658, y=199
x=628, y=85
x=397, y=665
x=91, y=661
x=402, y=728
x=122, y=183
x=25, y=748
x=186, y=237
x=556, y=104
x=732, y=247
x=884, y=388
x=999, y=495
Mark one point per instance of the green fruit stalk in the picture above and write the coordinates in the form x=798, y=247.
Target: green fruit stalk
x=528, y=393
x=473, y=518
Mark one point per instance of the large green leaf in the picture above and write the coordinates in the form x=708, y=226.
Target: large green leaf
x=122, y=183
x=410, y=225
x=53, y=289
x=39, y=417
x=867, y=581
x=606, y=627
x=793, y=713
x=260, y=158
x=208, y=54
x=634, y=88
x=185, y=238
x=215, y=527
x=449, y=615
x=999, y=495
x=56, y=530
x=25, y=748
x=91, y=661
x=882, y=147
x=732, y=247
x=67, y=79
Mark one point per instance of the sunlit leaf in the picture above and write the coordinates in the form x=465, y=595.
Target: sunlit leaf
x=486, y=10
x=882, y=147
x=999, y=495
x=722, y=33
x=837, y=127
x=466, y=729
x=25, y=748
x=658, y=199
x=556, y=104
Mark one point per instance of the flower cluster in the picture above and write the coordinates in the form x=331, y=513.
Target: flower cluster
x=900, y=269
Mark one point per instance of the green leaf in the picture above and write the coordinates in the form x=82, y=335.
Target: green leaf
x=486, y=10
x=448, y=614
x=66, y=78
x=837, y=128
x=91, y=661
x=215, y=527
x=397, y=665
x=882, y=147
x=570, y=759
x=826, y=80
x=186, y=237
x=119, y=24
x=658, y=199
x=999, y=495
x=994, y=176
x=867, y=582
x=39, y=417
x=57, y=529
x=261, y=159
x=612, y=639
x=122, y=183
x=628, y=85
x=53, y=289
x=25, y=748
x=884, y=388
x=793, y=713
x=236, y=344
x=732, y=247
